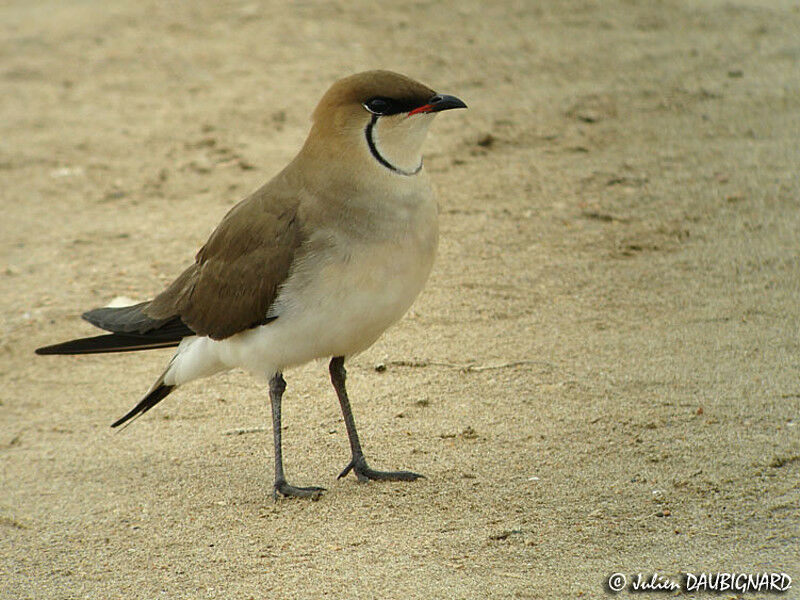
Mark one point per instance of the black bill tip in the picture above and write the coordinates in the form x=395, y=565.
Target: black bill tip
x=438, y=103
x=442, y=102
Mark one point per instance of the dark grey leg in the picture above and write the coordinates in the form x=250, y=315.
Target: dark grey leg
x=358, y=463
x=276, y=387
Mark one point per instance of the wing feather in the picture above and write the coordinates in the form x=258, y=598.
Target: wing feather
x=237, y=274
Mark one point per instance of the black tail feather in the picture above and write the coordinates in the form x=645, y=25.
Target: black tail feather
x=131, y=329
x=146, y=403
x=113, y=342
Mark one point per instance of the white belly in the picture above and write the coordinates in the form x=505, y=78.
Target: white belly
x=338, y=310
x=336, y=307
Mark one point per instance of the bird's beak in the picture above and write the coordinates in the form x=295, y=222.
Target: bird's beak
x=438, y=103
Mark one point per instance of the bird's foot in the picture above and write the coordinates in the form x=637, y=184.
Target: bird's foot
x=290, y=491
x=359, y=466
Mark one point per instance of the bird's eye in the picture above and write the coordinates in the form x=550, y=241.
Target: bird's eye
x=377, y=106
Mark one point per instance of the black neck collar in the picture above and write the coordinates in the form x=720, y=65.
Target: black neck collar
x=374, y=150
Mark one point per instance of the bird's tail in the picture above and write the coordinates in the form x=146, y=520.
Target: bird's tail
x=157, y=393
x=112, y=342
x=131, y=329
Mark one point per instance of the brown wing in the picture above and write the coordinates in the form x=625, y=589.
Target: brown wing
x=237, y=273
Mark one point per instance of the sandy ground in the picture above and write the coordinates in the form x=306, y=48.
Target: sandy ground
x=602, y=374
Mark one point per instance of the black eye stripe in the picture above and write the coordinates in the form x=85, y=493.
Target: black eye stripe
x=381, y=105
x=378, y=106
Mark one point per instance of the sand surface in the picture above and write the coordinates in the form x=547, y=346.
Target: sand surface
x=603, y=373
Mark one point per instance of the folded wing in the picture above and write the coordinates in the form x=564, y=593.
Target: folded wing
x=231, y=285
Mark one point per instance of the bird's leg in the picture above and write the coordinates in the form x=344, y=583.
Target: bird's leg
x=358, y=463
x=276, y=387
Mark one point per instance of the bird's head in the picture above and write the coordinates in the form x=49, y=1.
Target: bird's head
x=383, y=114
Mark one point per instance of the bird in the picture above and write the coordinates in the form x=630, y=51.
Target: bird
x=315, y=264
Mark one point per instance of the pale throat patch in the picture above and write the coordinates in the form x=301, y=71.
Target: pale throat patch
x=397, y=141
